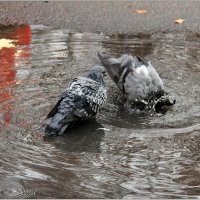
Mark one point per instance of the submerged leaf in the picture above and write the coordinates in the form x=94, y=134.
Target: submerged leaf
x=141, y=11
x=179, y=21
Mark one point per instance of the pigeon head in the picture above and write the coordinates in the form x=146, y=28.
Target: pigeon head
x=164, y=103
x=97, y=73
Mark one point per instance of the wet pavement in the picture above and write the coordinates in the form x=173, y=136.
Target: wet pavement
x=104, y=16
x=120, y=155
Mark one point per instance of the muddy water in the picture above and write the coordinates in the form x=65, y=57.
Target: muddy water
x=136, y=155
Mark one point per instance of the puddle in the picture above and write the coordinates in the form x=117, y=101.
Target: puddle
x=117, y=156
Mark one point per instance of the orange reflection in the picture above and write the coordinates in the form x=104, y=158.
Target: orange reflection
x=11, y=49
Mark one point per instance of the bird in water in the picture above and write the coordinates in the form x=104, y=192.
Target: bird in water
x=138, y=80
x=82, y=99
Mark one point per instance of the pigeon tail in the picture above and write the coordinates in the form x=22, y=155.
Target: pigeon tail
x=112, y=65
x=103, y=59
x=56, y=125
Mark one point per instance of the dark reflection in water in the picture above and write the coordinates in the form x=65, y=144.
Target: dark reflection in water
x=123, y=43
x=118, y=155
x=84, y=137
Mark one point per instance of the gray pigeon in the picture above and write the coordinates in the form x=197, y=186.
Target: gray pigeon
x=82, y=99
x=137, y=79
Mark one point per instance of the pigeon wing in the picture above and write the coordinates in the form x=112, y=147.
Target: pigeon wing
x=89, y=96
x=54, y=110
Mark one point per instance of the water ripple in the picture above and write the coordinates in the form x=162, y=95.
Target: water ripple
x=13, y=189
x=120, y=155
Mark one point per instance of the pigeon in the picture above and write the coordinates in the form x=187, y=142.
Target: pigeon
x=82, y=99
x=138, y=80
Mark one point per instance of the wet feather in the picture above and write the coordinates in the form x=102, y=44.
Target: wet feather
x=136, y=78
x=82, y=99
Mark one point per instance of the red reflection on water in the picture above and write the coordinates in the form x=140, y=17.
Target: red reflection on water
x=8, y=56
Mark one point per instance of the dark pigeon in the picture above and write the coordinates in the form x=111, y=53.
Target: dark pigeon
x=82, y=99
x=138, y=80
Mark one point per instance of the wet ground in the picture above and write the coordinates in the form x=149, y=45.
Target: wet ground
x=135, y=155
x=104, y=16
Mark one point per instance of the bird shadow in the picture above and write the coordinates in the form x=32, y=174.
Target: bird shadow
x=86, y=136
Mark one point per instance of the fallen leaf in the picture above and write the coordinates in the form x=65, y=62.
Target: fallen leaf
x=141, y=11
x=179, y=21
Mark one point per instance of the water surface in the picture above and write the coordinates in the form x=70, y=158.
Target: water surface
x=135, y=155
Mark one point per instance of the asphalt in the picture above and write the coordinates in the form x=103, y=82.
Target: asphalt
x=104, y=16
